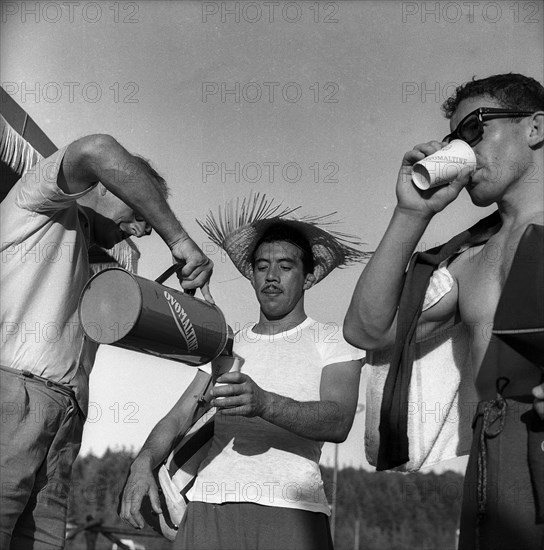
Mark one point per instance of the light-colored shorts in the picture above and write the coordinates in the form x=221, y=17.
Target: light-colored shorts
x=40, y=437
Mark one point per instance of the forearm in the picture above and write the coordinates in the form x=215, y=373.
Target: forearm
x=122, y=174
x=158, y=444
x=370, y=319
x=141, y=480
x=179, y=419
x=317, y=420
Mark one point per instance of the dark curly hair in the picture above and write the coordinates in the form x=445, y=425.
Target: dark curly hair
x=512, y=91
x=283, y=232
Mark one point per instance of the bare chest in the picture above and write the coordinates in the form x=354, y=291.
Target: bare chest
x=481, y=278
x=481, y=281
x=481, y=274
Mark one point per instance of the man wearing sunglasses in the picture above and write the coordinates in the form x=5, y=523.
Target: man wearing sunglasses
x=502, y=119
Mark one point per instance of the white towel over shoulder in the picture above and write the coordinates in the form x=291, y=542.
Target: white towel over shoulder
x=442, y=399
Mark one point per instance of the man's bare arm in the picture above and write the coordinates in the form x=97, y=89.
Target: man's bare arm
x=158, y=444
x=328, y=419
x=101, y=158
x=370, y=321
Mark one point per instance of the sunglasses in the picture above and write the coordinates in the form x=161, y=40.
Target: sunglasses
x=471, y=128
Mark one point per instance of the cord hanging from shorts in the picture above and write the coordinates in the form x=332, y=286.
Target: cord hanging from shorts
x=494, y=416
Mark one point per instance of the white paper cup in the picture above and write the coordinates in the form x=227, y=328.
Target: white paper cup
x=443, y=166
x=224, y=364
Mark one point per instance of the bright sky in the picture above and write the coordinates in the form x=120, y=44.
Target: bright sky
x=312, y=103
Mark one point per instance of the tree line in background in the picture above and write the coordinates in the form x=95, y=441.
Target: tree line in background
x=383, y=510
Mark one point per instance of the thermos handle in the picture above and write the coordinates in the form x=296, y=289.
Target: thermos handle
x=169, y=272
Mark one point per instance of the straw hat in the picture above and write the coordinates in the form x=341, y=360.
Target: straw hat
x=240, y=226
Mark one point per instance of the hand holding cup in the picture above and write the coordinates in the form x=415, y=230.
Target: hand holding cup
x=225, y=363
x=443, y=166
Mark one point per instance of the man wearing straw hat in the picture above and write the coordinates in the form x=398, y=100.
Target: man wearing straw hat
x=260, y=484
x=45, y=359
x=502, y=118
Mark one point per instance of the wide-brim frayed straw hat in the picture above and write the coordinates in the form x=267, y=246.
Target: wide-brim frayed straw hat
x=241, y=224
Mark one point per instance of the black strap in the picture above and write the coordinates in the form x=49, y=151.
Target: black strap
x=169, y=272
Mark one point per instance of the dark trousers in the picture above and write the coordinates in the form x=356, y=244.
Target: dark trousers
x=248, y=526
x=503, y=493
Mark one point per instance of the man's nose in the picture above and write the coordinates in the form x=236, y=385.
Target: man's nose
x=272, y=274
x=140, y=228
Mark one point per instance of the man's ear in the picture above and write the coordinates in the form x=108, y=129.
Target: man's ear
x=100, y=189
x=536, y=135
x=252, y=280
x=309, y=281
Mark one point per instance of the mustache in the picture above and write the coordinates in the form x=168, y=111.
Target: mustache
x=271, y=286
